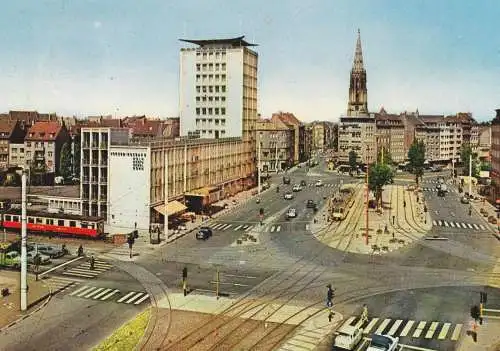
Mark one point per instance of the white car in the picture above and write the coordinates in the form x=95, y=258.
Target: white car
x=348, y=337
x=31, y=257
x=288, y=196
x=296, y=188
x=383, y=343
x=292, y=213
x=319, y=183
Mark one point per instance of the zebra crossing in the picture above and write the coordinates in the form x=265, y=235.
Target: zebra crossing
x=83, y=269
x=457, y=225
x=110, y=294
x=245, y=227
x=408, y=328
x=60, y=284
x=325, y=185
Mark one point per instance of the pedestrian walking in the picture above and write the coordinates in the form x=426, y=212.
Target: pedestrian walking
x=364, y=314
x=80, y=251
x=330, y=316
x=92, y=263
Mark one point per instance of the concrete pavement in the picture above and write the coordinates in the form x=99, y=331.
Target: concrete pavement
x=488, y=337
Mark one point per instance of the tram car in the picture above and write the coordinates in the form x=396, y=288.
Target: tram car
x=54, y=224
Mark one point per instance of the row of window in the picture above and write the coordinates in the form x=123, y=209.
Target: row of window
x=210, y=67
x=211, y=111
x=129, y=154
x=210, y=55
x=211, y=89
x=205, y=98
x=222, y=121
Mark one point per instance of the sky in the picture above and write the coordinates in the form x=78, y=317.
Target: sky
x=122, y=57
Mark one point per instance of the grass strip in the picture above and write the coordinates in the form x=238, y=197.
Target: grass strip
x=128, y=335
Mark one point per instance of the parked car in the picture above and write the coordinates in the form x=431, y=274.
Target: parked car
x=50, y=251
x=31, y=257
x=492, y=219
x=319, y=183
x=348, y=337
x=265, y=186
x=13, y=259
x=464, y=200
x=296, y=188
x=288, y=196
x=291, y=213
x=303, y=183
x=311, y=204
x=383, y=343
x=204, y=233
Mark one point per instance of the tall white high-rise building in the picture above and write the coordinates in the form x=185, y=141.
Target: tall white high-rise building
x=218, y=89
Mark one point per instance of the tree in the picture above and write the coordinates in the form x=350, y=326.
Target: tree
x=465, y=154
x=353, y=157
x=65, y=161
x=380, y=174
x=76, y=155
x=384, y=156
x=416, y=156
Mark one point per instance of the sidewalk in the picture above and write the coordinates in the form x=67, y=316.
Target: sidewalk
x=10, y=308
x=488, y=338
x=312, y=322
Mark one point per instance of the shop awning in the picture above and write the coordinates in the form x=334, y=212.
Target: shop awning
x=203, y=191
x=173, y=207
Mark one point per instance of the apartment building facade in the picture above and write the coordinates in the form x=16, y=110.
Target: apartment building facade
x=359, y=135
x=495, y=159
x=277, y=145
x=42, y=146
x=390, y=135
x=11, y=137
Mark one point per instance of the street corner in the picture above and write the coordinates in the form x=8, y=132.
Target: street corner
x=10, y=304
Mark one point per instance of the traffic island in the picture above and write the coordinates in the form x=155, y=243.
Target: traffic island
x=400, y=221
x=128, y=336
x=10, y=305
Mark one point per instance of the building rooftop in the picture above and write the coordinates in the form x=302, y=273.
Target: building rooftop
x=6, y=128
x=14, y=193
x=234, y=42
x=270, y=124
x=43, y=130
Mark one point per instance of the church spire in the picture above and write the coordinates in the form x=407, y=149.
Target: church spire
x=358, y=93
x=357, y=65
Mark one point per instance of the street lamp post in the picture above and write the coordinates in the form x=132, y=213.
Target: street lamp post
x=259, y=165
x=24, y=252
x=165, y=195
x=367, y=194
x=470, y=174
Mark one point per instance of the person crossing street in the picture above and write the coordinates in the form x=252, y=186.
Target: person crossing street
x=92, y=263
x=364, y=314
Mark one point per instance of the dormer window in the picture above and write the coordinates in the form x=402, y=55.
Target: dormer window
x=52, y=135
x=32, y=135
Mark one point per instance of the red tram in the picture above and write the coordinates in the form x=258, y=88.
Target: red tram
x=54, y=223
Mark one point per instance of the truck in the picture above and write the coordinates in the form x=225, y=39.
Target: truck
x=342, y=202
x=348, y=337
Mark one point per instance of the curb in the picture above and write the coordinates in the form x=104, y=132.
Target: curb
x=47, y=298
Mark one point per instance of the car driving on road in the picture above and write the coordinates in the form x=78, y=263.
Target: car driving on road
x=31, y=257
x=296, y=188
x=50, y=251
x=204, y=233
x=383, y=343
x=292, y=213
x=319, y=183
x=288, y=196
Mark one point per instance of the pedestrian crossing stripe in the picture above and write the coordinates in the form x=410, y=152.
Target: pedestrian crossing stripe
x=61, y=283
x=104, y=294
x=83, y=270
x=460, y=225
x=407, y=328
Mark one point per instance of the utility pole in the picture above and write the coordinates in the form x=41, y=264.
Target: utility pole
x=258, y=165
x=24, y=239
x=185, y=167
x=470, y=174
x=367, y=192
x=165, y=195
x=277, y=158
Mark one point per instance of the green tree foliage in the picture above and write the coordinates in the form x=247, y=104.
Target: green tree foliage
x=380, y=174
x=384, y=156
x=416, y=156
x=65, y=164
x=353, y=156
x=465, y=154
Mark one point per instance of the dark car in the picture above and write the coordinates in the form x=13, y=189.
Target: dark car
x=204, y=233
x=286, y=180
x=303, y=183
x=311, y=204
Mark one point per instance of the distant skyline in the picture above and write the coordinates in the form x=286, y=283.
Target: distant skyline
x=107, y=57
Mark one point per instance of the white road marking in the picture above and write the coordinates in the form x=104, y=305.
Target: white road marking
x=79, y=290
x=79, y=274
x=273, y=228
x=134, y=297
x=245, y=227
x=239, y=276
x=476, y=227
x=419, y=330
x=278, y=228
x=61, y=265
x=238, y=227
x=228, y=226
x=470, y=226
x=431, y=330
x=395, y=327
x=456, y=332
x=110, y=294
x=452, y=224
x=141, y=299
x=249, y=228
x=382, y=326
x=434, y=223
x=102, y=293
x=407, y=328
x=444, y=331
x=93, y=293
x=446, y=224
x=126, y=296
x=482, y=227
x=86, y=291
